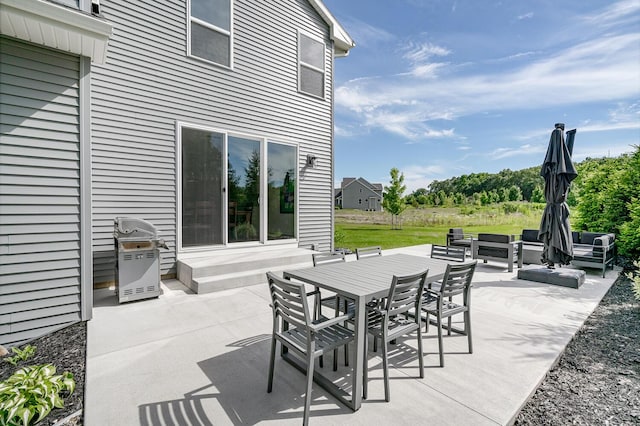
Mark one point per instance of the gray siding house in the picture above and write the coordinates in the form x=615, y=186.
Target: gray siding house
x=211, y=119
x=359, y=194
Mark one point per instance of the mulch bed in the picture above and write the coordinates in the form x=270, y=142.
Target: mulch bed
x=597, y=379
x=595, y=382
x=66, y=349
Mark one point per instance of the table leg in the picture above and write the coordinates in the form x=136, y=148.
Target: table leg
x=358, y=355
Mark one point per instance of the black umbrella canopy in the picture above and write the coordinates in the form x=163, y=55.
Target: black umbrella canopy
x=558, y=171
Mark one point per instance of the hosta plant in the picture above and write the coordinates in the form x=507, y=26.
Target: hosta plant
x=21, y=354
x=31, y=393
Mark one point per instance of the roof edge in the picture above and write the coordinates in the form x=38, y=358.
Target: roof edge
x=341, y=39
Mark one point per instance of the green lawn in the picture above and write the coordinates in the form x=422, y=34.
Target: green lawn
x=428, y=226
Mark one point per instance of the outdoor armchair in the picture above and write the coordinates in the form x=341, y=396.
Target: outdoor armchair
x=439, y=301
x=498, y=247
x=294, y=328
x=387, y=322
x=457, y=238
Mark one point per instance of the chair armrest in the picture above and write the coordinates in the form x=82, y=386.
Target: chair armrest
x=330, y=322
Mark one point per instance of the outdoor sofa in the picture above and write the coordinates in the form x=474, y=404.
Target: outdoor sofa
x=590, y=249
x=594, y=250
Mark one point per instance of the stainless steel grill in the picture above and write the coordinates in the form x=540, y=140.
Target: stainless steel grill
x=137, y=259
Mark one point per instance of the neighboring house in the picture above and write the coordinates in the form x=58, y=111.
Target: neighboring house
x=359, y=194
x=215, y=127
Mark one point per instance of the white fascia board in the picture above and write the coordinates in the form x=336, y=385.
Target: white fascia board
x=341, y=39
x=55, y=26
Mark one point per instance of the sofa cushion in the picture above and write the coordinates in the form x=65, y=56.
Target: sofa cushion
x=530, y=235
x=588, y=237
x=495, y=238
x=456, y=233
x=575, y=236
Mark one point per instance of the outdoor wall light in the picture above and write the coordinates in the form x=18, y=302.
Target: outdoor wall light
x=312, y=161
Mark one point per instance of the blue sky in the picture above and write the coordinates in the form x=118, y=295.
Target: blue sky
x=441, y=88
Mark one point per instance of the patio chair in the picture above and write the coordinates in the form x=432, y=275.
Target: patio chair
x=364, y=252
x=438, y=301
x=499, y=248
x=457, y=238
x=387, y=322
x=307, y=338
x=448, y=252
x=333, y=302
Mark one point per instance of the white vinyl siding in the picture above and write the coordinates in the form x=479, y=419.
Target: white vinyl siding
x=40, y=191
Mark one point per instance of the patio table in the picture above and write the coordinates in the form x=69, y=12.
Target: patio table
x=361, y=281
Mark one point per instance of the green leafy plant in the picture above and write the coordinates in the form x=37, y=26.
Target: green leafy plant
x=32, y=391
x=634, y=276
x=21, y=354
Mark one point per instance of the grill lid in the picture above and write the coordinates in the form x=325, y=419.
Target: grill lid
x=130, y=228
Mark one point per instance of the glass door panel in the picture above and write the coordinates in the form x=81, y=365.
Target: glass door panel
x=282, y=183
x=243, y=175
x=202, y=188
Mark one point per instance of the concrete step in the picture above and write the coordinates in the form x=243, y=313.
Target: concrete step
x=240, y=279
x=237, y=268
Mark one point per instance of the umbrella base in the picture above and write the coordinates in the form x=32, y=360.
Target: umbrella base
x=572, y=278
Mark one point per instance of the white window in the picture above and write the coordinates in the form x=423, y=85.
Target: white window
x=210, y=30
x=311, y=54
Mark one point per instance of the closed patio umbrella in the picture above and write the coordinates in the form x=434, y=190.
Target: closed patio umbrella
x=558, y=172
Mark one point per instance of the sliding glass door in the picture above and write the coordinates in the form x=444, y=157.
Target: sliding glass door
x=231, y=185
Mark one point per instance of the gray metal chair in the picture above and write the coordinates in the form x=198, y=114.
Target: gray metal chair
x=294, y=328
x=388, y=322
x=448, y=252
x=438, y=301
x=333, y=302
x=363, y=252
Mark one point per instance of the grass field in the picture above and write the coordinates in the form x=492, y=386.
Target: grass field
x=356, y=228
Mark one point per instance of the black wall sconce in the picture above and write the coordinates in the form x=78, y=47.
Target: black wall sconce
x=312, y=161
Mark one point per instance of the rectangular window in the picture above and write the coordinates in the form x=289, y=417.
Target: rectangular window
x=210, y=30
x=311, y=55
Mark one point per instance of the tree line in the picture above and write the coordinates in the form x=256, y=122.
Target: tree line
x=482, y=189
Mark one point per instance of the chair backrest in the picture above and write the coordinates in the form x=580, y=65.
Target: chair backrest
x=288, y=301
x=456, y=233
x=499, y=252
x=327, y=257
x=457, y=280
x=368, y=252
x=405, y=293
x=448, y=252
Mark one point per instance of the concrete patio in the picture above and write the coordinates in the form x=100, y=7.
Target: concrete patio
x=186, y=359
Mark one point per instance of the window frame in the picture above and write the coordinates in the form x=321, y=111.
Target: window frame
x=215, y=28
x=264, y=142
x=301, y=64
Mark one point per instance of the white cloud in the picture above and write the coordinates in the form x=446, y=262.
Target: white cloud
x=365, y=34
x=526, y=149
x=603, y=69
x=416, y=176
x=525, y=16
